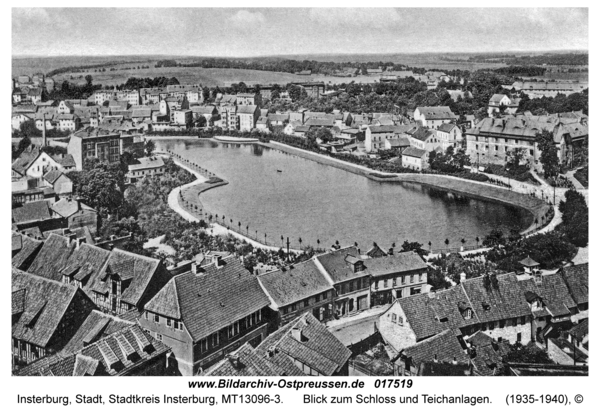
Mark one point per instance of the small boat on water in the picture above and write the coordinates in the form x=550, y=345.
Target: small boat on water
x=279, y=171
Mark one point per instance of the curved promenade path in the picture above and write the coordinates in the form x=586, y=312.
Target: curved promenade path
x=191, y=192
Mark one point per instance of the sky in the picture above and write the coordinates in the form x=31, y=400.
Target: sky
x=232, y=32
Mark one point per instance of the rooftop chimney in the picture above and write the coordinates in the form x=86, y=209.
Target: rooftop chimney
x=297, y=334
x=235, y=360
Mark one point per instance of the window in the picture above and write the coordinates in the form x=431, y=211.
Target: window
x=492, y=325
x=514, y=322
x=169, y=322
x=293, y=307
x=159, y=337
x=519, y=337
x=412, y=278
x=393, y=318
x=502, y=323
x=385, y=283
x=306, y=303
x=400, y=320
x=523, y=320
x=156, y=318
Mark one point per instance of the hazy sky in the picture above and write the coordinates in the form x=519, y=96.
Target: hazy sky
x=253, y=32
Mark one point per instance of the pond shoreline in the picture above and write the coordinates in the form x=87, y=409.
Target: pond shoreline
x=478, y=190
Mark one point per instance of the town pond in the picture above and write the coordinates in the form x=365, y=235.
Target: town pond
x=279, y=194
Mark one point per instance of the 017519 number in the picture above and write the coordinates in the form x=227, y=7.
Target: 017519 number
x=393, y=383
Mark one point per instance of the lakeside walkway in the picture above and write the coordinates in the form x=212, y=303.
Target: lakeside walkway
x=192, y=190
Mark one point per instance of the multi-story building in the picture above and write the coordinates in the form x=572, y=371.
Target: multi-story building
x=97, y=143
x=207, y=313
x=229, y=119
x=248, y=115
x=298, y=289
x=346, y=272
x=434, y=116
x=45, y=315
x=449, y=135
x=145, y=167
x=248, y=99
x=396, y=276
x=499, y=101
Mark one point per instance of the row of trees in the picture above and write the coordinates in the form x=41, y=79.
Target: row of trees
x=575, y=218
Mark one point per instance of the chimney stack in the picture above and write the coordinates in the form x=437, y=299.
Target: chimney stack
x=44, y=129
x=235, y=360
x=297, y=334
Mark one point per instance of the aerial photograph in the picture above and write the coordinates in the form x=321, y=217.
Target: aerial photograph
x=277, y=192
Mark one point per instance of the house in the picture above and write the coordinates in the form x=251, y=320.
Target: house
x=36, y=214
x=578, y=335
x=493, y=139
x=145, y=167
x=375, y=72
x=45, y=315
x=278, y=119
x=298, y=289
x=537, y=89
x=18, y=119
x=75, y=214
x=309, y=345
x=229, y=119
x=248, y=99
x=423, y=138
x=377, y=135
x=209, y=113
x=127, y=281
x=126, y=352
x=503, y=103
x=449, y=135
x=181, y=117
x=434, y=116
x=24, y=250
x=199, y=318
x=399, y=144
x=263, y=124
x=414, y=158
x=248, y=114
x=98, y=143
x=247, y=361
x=35, y=163
x=345, y=270
x=395, y=276
x=441, y=348
x=576, y=279
x=60, y=183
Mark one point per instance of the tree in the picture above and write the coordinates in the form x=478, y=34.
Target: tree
x=24, y=143
x=412, y=246
x=324, y=134
x=149, y=147
x=529, y=354
x=495, y=238
x=88, y=80
x=549, y=156
x=575, y=216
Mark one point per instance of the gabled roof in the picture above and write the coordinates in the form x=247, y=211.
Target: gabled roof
x=396, y=263
x=27, y=251
x=436, y=112
x=299, y=282
x=147, y=162
x=66, y=207
x=448, y=127
x=45, y=303
x=414, y=152
x=246, y=109
x=96, y=326
x=25, y=160
x=248, y=362
x=113, y=355
x=138, y=271
x=52, y=176
x=211, y=300
x=441, y=347
x=337, y=267
x=31, y=212
x=431, y=313
x=306, y=340
x=554, y=293
x=505, y=302
x=52, y=257
x=576, y=278
x=581, y=330
x=421, y=133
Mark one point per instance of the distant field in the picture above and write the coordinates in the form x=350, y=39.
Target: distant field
x=206, y=77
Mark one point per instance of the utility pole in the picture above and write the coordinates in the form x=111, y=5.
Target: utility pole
x=288, y=247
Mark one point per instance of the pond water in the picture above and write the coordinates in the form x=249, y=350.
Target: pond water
x=313, y=201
